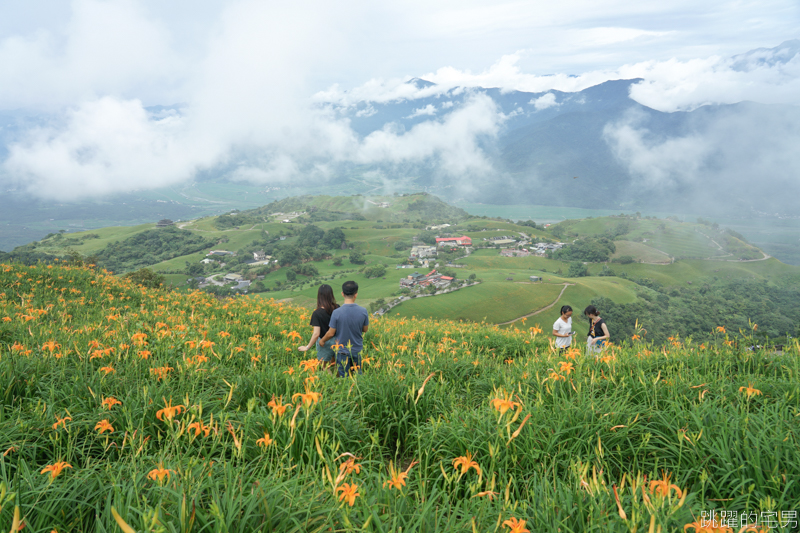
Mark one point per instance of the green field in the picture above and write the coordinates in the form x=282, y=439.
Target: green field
x=491, y=302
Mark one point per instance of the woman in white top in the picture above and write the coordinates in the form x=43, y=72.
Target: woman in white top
x=562, y=329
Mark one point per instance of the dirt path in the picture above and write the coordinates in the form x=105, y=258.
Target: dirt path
x=542, y=309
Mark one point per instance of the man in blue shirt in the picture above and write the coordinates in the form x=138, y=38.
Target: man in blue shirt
x=348, y=324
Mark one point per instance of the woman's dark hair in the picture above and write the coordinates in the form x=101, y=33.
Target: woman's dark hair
x=325, y=299
x=565, y=309
x=591, y=310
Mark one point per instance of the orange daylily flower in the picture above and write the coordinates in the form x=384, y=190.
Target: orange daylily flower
x=349, y=466
x=516, y=526
x=62, y=422
x=662, y=487
x=139, y=339
x=310, y=365
x=159, y=473
x=488, y=493
x=198, y=428
x=566, y=367
x=750, y=391
x=397, y=478
x=110, y=402
x=503, y=402
x=103, y=426
x=348, y=492
x=721, y=329
x=169, y=411
x=106, y=370
x=265, y=441
x=309, y=397
x=50, y=345
x=55, y=469
x=277, y=406
x=466, y=462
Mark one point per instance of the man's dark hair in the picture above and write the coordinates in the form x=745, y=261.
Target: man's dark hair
x=349, y=288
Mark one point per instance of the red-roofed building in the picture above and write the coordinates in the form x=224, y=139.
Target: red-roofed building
x=459, y=241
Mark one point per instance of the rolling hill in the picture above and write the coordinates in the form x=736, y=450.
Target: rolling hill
x=655, y=262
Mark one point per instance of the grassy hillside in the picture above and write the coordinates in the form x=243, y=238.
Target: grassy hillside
x=163, y=411
x=650, y=255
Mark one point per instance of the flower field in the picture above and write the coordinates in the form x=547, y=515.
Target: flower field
x=131, y=409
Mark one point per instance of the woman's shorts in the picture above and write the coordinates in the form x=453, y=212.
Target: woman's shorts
x=325, y=353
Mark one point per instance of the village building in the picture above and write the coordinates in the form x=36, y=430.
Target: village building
x=164, y=223
x=207, y=261
x=419, y=252
x=417, y=280
x=242, y=285
x=220, y=253
x=535, y=278
x=260, y=256
x=231, y=277
x=440, y=226
x=451, y=242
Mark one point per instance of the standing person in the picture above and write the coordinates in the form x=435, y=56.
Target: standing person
x=320, y=321
x=562, y=329
x=598, y=331
x=348, y=323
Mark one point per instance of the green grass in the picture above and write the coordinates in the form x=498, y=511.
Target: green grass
x=579, y=445
x=640, y=252
x=498, y=302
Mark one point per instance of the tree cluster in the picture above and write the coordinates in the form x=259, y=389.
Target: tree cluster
x=587, y=250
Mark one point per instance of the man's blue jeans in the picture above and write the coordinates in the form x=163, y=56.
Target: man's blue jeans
x=346, y=363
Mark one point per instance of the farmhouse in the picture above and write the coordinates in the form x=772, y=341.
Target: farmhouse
x=515, y=252
x=418, y=252
x=440, y=226
x=417, y=280
x=453, y=241
x=220, y=252
x=260, y=256
x=232, y=277
x=164, y=223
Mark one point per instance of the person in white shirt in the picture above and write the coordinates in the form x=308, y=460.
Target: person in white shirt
x=562, y=329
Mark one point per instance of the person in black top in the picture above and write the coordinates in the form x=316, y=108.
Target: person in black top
x=598, y=331
x=320, y=321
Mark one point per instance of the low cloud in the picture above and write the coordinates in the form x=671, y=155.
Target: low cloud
x=429, y=110
x=721, y=154
x=545, y=101
x=452, y=142
x=670, y=85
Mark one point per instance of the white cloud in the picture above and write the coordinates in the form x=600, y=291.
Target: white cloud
x=544, y=101
x=429, y=110
x=106, y=146
x=106, y=48
x=727, y=152
x=245, y=69
x=453, y=140
x=669, y=85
